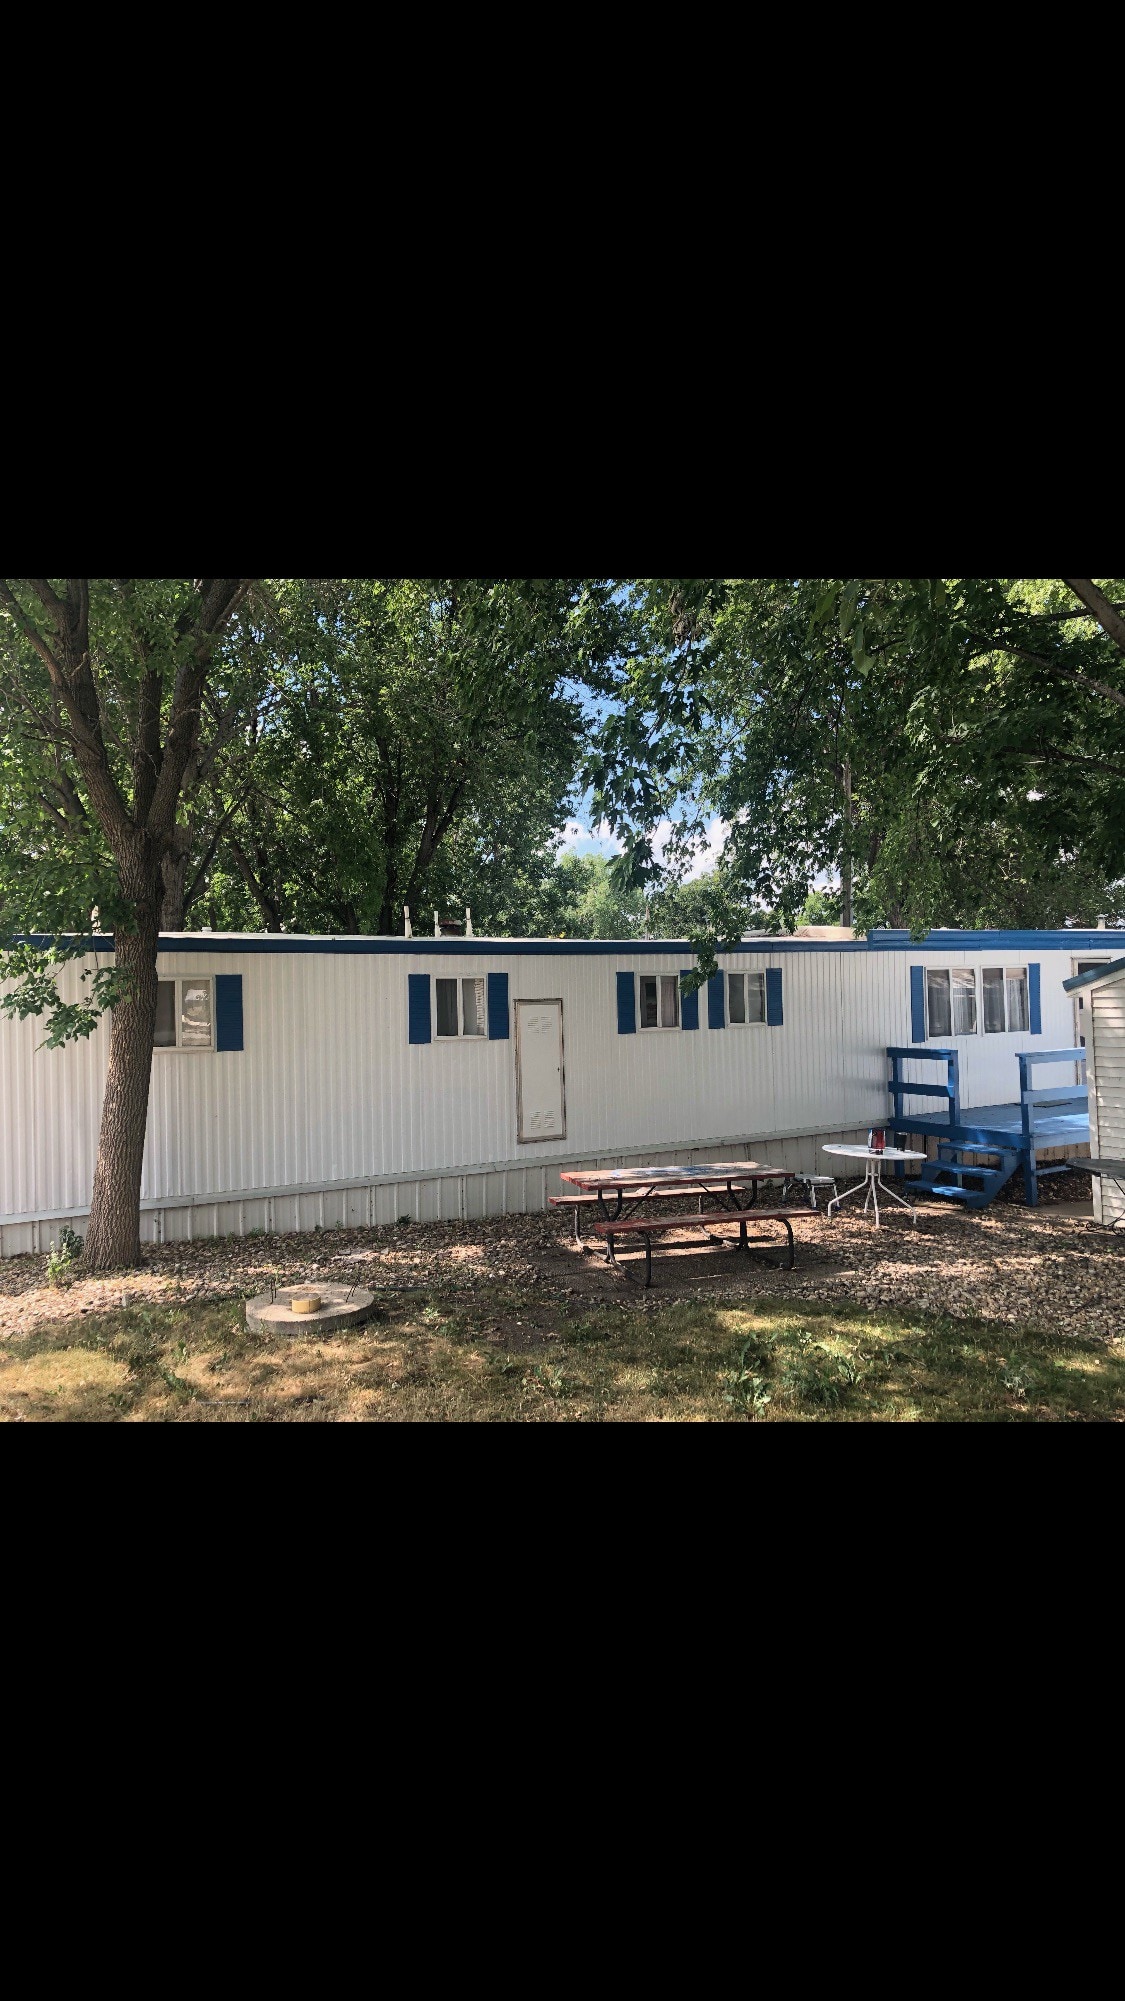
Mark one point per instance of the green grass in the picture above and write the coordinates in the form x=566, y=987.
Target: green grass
x=495, y=1357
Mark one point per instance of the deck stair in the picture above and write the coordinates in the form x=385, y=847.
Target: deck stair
x=987, y=1179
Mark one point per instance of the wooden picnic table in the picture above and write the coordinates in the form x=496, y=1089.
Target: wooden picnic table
x=729, y=1186
x=720, y=1178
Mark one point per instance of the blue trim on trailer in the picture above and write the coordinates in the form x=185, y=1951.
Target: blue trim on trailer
x=498, y=1030
x=1034, y=1007
x=917, y=1004
x=419, y=1020
x=689, y=1005
x=626, y=1004
x=984, y=941
x=717, y=1001
x=877, y=941
x=775, y=1014
x=228, y=1011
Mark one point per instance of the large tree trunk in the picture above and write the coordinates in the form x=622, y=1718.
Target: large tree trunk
x=174, y=872
x=113, y=1238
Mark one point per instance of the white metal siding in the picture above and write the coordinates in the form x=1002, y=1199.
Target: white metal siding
x=327, y=1088
x=1107, y=1090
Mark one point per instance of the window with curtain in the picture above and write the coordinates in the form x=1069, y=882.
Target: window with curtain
x=746, y=997
x=1005, y=1000
x=964, y=1001
x=184, y=1014
x=473, y=1013
x=939, y=1018
x=461, y=1007
x=992, y=993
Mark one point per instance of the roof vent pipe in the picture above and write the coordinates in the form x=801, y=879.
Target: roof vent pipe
x=1101, y=923
x=406, y=931
x=437, y=926
x=469, y=932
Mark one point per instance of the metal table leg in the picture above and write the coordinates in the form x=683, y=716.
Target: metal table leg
x=900, y=1199
x=870, y=1187
x=849, y=1192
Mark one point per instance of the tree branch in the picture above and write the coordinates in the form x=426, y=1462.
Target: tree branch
x=995, y=644
x=1107, y=615
x=221, y=597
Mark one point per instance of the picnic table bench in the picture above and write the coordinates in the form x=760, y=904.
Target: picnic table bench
x=649, y=1227
x=726, y=1192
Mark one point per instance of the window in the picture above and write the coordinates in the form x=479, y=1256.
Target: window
x=660, y=1000
x=472, y=1008
x=1005, y=1000
x=183, y=1014
x=951, y=1001
x=1015, y=990
x=992, y=982
x=939, y=1020
x=746, y=997
x=461, y=1007
x=964, y=1001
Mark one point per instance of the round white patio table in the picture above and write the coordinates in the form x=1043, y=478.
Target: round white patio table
x=871, y=1180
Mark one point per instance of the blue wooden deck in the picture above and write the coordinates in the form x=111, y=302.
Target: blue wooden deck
x=1002, y=1126
x=1048, y=1116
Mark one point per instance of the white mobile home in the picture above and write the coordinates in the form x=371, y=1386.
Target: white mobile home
x=305, y=1080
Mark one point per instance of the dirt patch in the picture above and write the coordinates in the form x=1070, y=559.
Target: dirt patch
x=526, y=1279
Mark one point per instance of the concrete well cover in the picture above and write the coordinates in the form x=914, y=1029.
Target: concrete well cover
x=341, y=1306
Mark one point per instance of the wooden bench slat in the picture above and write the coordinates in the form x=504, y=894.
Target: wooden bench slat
x=669, y=1193
x=651, y=1223
x=649, y=1227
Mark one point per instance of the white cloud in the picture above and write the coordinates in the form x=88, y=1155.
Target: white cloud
x=577, y=839
x=705, y=857
x=580, y=839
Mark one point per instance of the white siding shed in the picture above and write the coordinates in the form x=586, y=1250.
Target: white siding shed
x=1104, y=996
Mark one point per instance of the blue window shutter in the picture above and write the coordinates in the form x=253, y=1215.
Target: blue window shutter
x=775, y=1016
x=498, y=1007
x=689, y=1006
x=418, y=1011
x=917, y=1004
x=717, y=1001
x=228, y=1010
x=1034, y=1010
x=626, y=1004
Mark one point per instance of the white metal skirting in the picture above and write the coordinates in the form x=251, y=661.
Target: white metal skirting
x=466, y=1194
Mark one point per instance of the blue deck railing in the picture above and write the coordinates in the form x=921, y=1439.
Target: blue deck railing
x=899, y=1089
x=1035, y=1104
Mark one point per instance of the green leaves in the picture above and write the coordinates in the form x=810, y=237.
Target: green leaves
x=36, y=992
x=848, y=597
x=823, y=608
x=923, y=690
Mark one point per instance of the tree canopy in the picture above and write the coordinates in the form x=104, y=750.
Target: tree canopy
x=952, y=750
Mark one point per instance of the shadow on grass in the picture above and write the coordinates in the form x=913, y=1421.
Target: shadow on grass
x=503, y=1358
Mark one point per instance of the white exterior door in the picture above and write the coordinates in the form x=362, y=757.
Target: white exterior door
x=540, y=1081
